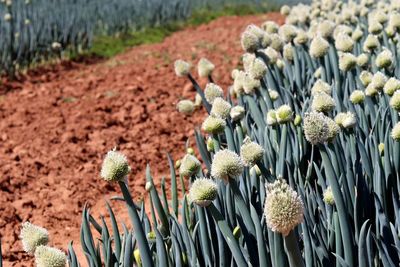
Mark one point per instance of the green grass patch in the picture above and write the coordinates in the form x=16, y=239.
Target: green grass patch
x=109, y=46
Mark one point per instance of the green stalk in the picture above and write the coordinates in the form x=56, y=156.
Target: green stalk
x=343, y=220
x=144, y=249
x=228, y=236
x=293, y=250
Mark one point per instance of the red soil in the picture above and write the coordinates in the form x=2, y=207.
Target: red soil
x=57, y=125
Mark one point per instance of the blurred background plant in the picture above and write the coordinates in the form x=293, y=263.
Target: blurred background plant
x=34, y=31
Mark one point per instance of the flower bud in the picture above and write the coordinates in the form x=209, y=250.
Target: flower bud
x=198, y=101
x=182, y=68
x=220, y=108
x=7, y=17
x=375, y=27
x=237, y=232
x=379, y=80
x=213, y=125
x=148, y=186
x=251, y=152
x=396, y=132
x=271, y=54
x=185, y=107
x=250, y=84
x=138, y=259
x=210, y=144
x=237, y=113
x=271, y=117
x=328, y=196
x=283, y=207
x=318, y=47
x=226, y=164
x=203, y=191
x=316, y=129
x=205, y=67
x=297, y=120
x=357, y=97
x=115, y=167
x=50, y=257
x=287, y=32
x=381, y=148
x=33, y=236
x=301, y=38
x=276, y=42
x=270, y=26
x=391, y=86
x=326, y=28
x=274, y=95
x=357, y=34
x=257, y=69
x=323, y=102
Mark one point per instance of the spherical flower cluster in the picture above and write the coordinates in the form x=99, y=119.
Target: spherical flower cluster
x=283, y=207
x=270, y=26
x=203, y=191
x=357, y=34
x=237, y=113
x=396, y=132
x=186, y=107
x=288, y=52
x=220, y=108
x=371, y=90
x=334, y=129
x=287, y=32
x=251, y=152
x=328, y=196
x=213, y=125
x=115, y=167
x=344, y=43
x=379, y=80
x=318, y=47
x=226, y=164
x=346, y=120
x=271, y=54
x=316, y=128
x=205, y=67
x=365, y=77
x=257, y=69
x=250, y=42
x=250, y=84
x=189, y=166
x=182, y=68
x=323, y=102
x=50, y=257
x=370, y=43
x=238, y=82
x=276, y=42
x=326, y=28
x=384, y=59
x=301, y=38
x=394, y=20
x=285, y=10
x=284, y=114
x=212, y=91
x=33, y=236
x=347, y=61
x=391, y=86
x=362, y=60
x=357, y=97
x=375, y=27
x=395, y=101
x=265, y=40
x=321, y=87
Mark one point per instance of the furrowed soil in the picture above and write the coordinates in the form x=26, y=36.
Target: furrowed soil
x=57, y=125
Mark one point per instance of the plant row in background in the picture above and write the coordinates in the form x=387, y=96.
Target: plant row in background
x=35, y=30
x=297, y=165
